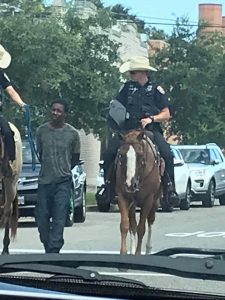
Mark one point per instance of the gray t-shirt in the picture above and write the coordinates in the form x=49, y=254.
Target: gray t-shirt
x=56, y=147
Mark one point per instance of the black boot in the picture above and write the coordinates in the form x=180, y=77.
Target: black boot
x=169, y=191
x=173, y=197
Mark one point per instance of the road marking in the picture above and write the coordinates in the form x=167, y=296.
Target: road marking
x=183, y=234
x=199, y=234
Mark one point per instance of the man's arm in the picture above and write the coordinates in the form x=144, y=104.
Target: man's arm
x=76, y=150
x=38, y=144
x=7, y=86
x=122, y=94
x=14, y=95
x=164, y=115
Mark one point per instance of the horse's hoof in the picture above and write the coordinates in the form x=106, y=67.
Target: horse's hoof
x=148, y=251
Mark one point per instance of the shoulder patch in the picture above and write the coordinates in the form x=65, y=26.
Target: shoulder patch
x=160, y=89
x=120, y=89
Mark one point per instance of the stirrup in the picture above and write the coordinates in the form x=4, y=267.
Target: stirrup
x=101, y=190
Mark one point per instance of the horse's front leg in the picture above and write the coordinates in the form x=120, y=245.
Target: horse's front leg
x=6, y=240
x=133, y=228
x=145, y=210
x=151, y=219
x=124, y=223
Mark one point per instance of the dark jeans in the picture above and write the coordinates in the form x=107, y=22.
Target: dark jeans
x=52, y=202
x=8, y=135
x=163, y=147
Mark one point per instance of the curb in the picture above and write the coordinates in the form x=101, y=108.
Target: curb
x=94, y=208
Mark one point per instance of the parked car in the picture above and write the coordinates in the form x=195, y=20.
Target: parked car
x=182, y=181
x=28, y=184
x=207, y=172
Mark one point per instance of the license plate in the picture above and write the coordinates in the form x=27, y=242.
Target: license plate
x=21, y=200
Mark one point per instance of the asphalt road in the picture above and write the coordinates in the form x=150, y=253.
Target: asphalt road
x=198, y=227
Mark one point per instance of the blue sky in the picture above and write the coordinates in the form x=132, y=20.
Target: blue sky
x=163, y=9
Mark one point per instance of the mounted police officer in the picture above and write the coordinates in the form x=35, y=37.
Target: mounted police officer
x=146, y=105
x=5, y=84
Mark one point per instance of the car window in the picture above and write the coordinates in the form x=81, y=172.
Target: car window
x=212, y=155
x=27, y=155
x=196, y=156
x=179, y=155
x=175, y=153
x=217, y=155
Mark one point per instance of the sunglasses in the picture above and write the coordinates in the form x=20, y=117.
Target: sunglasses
x=133, y=72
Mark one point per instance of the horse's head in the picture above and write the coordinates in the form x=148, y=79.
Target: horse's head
x=131, y=160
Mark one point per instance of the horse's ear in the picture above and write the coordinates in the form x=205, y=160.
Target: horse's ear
x=140, y=135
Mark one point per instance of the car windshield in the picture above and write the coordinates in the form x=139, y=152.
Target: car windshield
x=200, y=156
x=125, y=100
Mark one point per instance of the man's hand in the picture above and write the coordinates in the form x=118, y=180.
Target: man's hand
x=22, y=107
x=146, y=121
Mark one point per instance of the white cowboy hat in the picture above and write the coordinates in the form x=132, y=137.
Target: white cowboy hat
x=5, y=58
x=136, y=63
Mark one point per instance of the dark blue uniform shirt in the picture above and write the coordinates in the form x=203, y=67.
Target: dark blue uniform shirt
x=140, y=100
x=4, y=80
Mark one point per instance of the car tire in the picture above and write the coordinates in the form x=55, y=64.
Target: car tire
x=209, y=199
x=165, y=206
x=80, y=211
x=186, y=203
x=70, y=215
x=222, y=199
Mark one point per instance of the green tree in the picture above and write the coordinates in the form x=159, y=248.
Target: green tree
x=98, y=3
x=191, y=69
x=27, y=6
x=66, y=58
x=120, y=12
x=156, y=34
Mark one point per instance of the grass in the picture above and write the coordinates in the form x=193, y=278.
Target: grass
x=90, y=198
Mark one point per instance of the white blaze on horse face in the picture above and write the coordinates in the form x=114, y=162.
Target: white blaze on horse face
x=131, y=165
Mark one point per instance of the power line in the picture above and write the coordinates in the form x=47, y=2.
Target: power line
x=174, y=24
x=146, y=17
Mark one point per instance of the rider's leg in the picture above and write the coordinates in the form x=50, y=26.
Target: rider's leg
x=167, y=155
x=8, y=135
x=110, y=155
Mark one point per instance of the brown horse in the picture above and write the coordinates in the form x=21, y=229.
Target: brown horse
x=138, y=184
x=9, y=201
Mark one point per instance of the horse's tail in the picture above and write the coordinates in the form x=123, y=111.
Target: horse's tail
x=14, y=217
